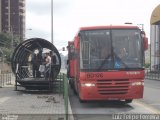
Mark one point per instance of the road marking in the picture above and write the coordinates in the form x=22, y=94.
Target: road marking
x=147, y=106
x=2, y=100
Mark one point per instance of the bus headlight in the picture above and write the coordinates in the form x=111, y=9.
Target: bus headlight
x=137, y=83
x=88, y=84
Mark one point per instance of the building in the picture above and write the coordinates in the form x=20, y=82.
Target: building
x=155, y=39
x=12, y=17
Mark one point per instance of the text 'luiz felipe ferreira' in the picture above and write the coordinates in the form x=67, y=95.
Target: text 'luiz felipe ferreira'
x=136, y=116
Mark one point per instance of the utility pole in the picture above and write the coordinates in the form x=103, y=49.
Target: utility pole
x=9, y=15
x=10, y=27
x=52, y=22
x=11, y=31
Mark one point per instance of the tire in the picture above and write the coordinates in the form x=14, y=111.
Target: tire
x=80, y=100
x=74, y=89
x=128, y=101
x=70, y=84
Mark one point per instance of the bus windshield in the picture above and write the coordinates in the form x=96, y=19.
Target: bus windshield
x=114, y=49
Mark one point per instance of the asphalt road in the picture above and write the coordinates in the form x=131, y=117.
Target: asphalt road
x=152, y=93
x=106, y=110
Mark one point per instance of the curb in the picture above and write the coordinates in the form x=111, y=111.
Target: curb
x=152, y=79
x=70, y=113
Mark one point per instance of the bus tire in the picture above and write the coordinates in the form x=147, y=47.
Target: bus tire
x=128, y=100
x=70, y=84
x=80, y=100
x=74, y=90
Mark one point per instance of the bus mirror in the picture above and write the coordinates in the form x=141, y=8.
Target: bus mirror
x=145, y=42
x=79, y=34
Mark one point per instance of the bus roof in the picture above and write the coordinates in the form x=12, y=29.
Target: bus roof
x=109, y=27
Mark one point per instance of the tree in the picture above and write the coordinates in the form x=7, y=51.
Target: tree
x=7, y=44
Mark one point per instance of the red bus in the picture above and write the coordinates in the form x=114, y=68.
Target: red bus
x=107, y=63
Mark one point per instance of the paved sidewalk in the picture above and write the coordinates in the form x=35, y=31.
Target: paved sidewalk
x=21, y=105
x=17, y=102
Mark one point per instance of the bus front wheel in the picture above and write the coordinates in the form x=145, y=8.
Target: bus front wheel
x=80, y=100
x=128, y=101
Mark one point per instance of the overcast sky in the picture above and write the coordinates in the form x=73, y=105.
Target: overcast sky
x=69, y=15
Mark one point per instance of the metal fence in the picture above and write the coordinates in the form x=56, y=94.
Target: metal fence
x=66, y=98
x=61, y=87
x=153, y=75
x=5, y=78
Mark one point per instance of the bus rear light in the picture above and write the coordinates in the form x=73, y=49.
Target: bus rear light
x=88, y=84
x=137, y=83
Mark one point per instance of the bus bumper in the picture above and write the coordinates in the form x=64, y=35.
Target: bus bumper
x=90, y=91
